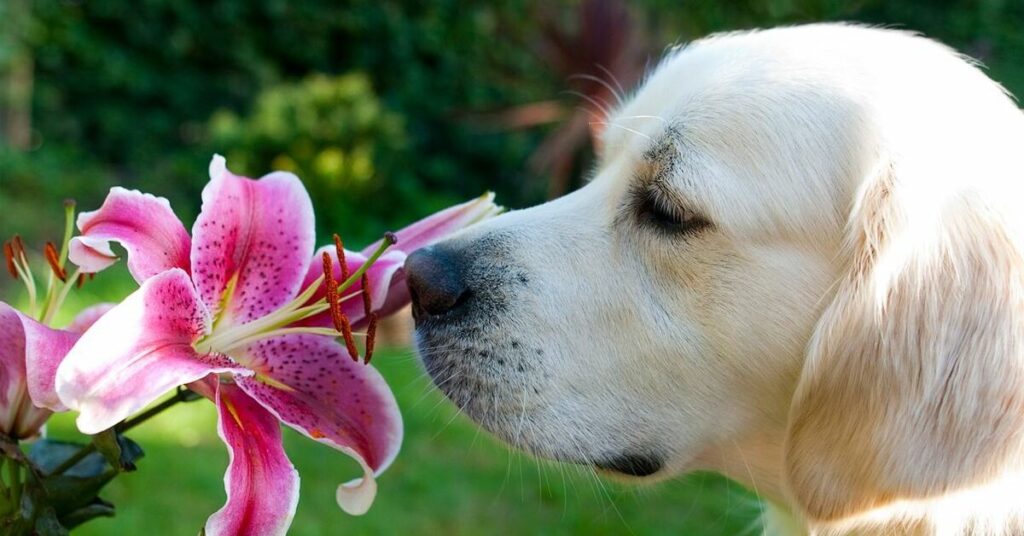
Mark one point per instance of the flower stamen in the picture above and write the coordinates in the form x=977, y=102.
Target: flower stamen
x=341, y=321
x=371, y=338
x=371, y=328
x=14, y=250
x=53, y=258
x=340, y=248
x=9, y=256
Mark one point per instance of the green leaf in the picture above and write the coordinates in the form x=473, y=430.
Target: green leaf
x=119, y=451
x=107, y=444
x=47, y=523
x=98, y=508
x=48, y=454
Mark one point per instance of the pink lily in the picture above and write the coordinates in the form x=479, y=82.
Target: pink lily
x=29, y=355
x=234, y=311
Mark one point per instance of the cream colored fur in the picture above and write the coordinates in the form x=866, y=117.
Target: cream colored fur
x=846, y=338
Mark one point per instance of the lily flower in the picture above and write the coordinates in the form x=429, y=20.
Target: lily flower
x=29, y=355
x=244, y=314
x=31, y=350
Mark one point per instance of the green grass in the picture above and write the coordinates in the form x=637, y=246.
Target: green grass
x=448, y=479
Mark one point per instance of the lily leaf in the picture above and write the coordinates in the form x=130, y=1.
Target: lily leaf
x=119, y=451
x=98, y=508
x=48, y=455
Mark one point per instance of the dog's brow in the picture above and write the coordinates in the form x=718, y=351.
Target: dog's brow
x=664, y=151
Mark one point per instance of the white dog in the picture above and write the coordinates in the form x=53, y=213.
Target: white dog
x=799, y=263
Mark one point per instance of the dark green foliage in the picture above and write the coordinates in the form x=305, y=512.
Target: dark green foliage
x=58, y=493
x=141, y=93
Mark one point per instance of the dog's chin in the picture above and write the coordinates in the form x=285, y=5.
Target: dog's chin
x=499, y=394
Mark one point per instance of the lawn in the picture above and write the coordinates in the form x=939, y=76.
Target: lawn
x=449, y=479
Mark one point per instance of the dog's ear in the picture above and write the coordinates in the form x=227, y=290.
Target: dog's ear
x=913, y=385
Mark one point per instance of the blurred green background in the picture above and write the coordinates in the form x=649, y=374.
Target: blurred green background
x=388, y=110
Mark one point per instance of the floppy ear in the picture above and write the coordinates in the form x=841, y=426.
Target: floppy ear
x=914, y=380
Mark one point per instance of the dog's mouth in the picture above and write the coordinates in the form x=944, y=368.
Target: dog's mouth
x=638, y=465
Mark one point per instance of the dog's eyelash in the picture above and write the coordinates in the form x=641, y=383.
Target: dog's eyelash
x=655, y=212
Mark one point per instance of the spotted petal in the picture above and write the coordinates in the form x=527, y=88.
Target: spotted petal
x=261, y=483
x=313, y=386
x=388, y=291
x=145, y=225
x=137, y=351
x=251, y=242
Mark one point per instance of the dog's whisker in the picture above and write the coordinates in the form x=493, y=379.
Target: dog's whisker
x=627, y=129
x=603, y=83
x=603, y=108
x=621, y=95
x=658, y=117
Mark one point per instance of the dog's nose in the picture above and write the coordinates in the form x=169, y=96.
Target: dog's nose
x=436, y=282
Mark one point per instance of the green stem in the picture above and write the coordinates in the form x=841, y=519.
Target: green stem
x=69, y=228
x=60, y=296
x=74, y=459
x=181, y=395
x=14, y=468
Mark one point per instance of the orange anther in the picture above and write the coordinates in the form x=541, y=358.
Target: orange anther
x=340, y=249
x=371, y=338
x=9, y=255
x=50, y=252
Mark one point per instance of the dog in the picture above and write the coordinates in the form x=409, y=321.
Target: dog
x=799, y=262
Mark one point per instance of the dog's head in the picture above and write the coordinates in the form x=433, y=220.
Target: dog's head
x=805, y=239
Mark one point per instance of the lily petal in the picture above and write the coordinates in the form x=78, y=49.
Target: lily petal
x=252, y=239
x=85, y=319
x=29, y=355
x=45, y=349
x=144, y=224
x=315, y=388
x=443, y=224
x=12, y=367
x=261, y=483
x=388, y=291
x=137, y=351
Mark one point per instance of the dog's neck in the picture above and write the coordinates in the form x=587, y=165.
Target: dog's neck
x=756, y=461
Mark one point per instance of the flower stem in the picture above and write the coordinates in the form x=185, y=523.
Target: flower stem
x=60, y=297
x=74, y=459
x=181, y=395
x=14, y=469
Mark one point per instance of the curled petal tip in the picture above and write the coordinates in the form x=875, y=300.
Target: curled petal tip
x=218, y=165
x=356, y=497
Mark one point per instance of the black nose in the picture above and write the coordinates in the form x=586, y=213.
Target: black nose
x=436, y=282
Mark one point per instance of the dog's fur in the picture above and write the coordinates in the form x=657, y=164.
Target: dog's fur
x=845, y=334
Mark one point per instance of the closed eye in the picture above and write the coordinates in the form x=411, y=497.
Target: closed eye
x=657, y=213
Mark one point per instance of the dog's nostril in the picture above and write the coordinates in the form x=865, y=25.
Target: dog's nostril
x=435, y=281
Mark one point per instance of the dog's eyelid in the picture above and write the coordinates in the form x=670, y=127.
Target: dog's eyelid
x=670, y=197
x=659, y=207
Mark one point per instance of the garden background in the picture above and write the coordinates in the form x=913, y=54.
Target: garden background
x=388, y=110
